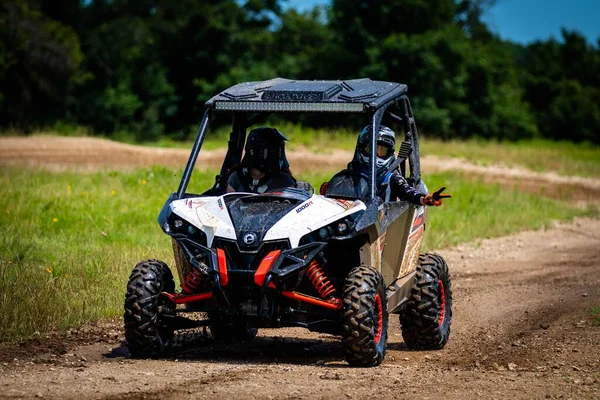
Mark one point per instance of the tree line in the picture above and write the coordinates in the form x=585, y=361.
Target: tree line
x=148, y=66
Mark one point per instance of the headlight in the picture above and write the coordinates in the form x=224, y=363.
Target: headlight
x=337, y=228
x=324, y=233
x=341, y=228
x=178, y=227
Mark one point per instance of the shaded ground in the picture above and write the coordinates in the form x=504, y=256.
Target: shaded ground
x=521, y=329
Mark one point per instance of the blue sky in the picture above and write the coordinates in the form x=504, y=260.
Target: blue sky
x=524, y=21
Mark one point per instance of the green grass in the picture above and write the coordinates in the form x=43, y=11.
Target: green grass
x=478, y=210
x=317, y=140
x=564, y=158
x=595, y=314
x=68, y=241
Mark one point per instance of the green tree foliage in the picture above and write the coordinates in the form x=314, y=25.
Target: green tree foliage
x=39, y=58
x=562, y=84
x=461, y=86
x=304, y=46
x=360, y=25
x=147, y=66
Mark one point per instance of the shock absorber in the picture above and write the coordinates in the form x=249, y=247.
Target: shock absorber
x=193, y=279
x=319, y=280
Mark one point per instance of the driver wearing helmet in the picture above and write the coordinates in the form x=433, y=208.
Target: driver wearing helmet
x=264, y=166
x=391, y=185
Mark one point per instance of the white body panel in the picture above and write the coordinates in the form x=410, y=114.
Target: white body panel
x=311, y=215
x=210, y=215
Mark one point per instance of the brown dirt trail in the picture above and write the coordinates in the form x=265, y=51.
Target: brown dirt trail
x=521, y=329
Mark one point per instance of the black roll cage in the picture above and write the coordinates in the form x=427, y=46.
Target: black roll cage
x=243, y=119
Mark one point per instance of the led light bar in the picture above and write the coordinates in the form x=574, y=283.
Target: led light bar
x=288, y=106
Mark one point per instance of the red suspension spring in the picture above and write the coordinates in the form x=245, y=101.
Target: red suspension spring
x=192, y=280
x=319, y=280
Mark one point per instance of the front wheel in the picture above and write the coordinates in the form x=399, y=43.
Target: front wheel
x=146, y=332
x=425, y=321
x=365, y=317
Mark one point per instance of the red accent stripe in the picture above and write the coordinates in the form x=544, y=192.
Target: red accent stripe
x=186, y=298
x=332, y=304
x=442, y=296
x=417, y=232
x=418, y=221
x=379, y=309
x=265, y=267
x=222, y=267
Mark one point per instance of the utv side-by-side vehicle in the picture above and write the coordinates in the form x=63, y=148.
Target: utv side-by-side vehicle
x=337, y=262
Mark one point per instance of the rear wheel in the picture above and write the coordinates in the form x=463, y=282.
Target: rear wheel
x=146, y=332
x=425, y=321
x=365, y=317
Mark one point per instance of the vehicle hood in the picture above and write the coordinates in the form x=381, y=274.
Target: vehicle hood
x=242, y=217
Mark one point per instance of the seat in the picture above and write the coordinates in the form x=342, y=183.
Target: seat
x=348, y=184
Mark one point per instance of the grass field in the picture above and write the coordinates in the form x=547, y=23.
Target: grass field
x=68, y=241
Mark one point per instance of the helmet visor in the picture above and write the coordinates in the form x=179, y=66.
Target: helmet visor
x=384, y=151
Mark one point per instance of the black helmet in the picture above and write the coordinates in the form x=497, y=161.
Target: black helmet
x=265, y=150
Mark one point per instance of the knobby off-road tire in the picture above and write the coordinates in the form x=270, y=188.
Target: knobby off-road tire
x=365, y=317
x=145, y=332
x=223, y=330
x=425, y=322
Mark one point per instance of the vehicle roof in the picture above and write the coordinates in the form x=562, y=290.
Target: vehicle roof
x=286, y=95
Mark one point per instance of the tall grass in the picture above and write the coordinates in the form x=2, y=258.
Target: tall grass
x=68, y=241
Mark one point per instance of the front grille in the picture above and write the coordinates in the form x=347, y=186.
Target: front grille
x=247, y=260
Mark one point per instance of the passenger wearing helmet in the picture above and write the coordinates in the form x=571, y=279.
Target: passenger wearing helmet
x=391, y=185
x=264, y=166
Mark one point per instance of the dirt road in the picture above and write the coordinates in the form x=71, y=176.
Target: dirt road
x=61, y=153
x=521, y=329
